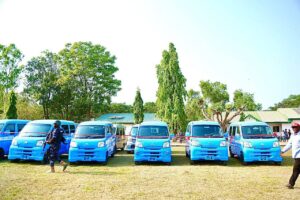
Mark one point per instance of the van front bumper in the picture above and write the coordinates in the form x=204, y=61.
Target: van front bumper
x=201, y=153
x=152, y=155
x=254, y=155
x=21, y=153
x=88, y=155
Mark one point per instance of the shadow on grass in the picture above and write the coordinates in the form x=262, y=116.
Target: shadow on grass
x=98, y=173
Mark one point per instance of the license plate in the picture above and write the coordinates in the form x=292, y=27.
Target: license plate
x=209, y=157
x=264, y=158
x=86, y=157
x=152, y=159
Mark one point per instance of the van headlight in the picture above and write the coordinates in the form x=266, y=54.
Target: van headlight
x=275, y=144
x=223, y=144
x=166, y=145
x=247, y=144
x=138, y=144
x=195, y=143
x=101, y=144
x=40, y=143
x=15, y=142
x=73, y=144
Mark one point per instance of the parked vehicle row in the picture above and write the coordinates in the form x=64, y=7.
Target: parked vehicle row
x=97, y=141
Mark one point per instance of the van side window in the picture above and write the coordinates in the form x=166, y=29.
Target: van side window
x=238, y=130
x=66, y=129
x=233, y=130
x=72, y=128
x=20, y=127
x=10, y=128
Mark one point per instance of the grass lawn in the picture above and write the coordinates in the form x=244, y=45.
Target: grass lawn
x=121, y=179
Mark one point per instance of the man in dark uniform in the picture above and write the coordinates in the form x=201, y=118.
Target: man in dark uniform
x=54, y=139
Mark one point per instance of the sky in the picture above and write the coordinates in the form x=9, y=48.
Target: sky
x=249, y=45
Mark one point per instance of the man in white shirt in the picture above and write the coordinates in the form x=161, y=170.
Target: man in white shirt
x=294, y=144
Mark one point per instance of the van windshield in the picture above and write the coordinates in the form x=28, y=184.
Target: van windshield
x=90, y=131
x=1, y=127
x=256, y=131
x=153, y=132
x=134, y=131
x=35, y=130
x=206, y=131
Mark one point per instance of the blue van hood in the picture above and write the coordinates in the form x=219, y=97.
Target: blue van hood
x=87, y=143
x=209, y=142
x=28, y=141
x=262, y=143
x=152, y=142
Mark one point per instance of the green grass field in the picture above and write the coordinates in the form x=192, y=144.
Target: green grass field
x=121, y=179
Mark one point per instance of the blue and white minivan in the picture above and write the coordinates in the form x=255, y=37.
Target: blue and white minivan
x=253, y=141
x=130, y=145
x=205, y=141
x=29, y=144
x=93, y=141
x=153, y=143
x=9, y=128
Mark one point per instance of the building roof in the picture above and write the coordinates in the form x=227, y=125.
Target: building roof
x=291, y=113
x=125, y=118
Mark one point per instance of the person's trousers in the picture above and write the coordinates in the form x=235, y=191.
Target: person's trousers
x=53, y=154
x=296, y=172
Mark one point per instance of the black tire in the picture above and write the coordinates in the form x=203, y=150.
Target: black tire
x=243, y=159
x=230, y=152
x=1, y=154
x=14, y=161
x=168, y=163
x=192, y=162
x=224, y=163
x=278, y=163
x=137, y=162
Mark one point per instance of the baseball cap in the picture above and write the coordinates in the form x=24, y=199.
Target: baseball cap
x=295, y=124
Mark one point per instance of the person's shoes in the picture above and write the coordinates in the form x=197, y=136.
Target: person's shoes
x=51, y=170
x=289, y=186
x=64, y=165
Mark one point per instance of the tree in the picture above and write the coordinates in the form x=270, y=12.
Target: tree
x=28, y=108
x=192, y=108
x=10, y=70
x=293, y=101
x=12, y=109
x=245, y=100
x=215, y=104
x=87, y=80
x=41, y=75
x=150, y=107
x=138, y=108
x=171, y=90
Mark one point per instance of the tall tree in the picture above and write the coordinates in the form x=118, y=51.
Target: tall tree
x=215, y=103
x=138, y=108
x=171, y=90
x=10, y=70
x=41, y=75
x=119, y=108
x=87, y=79
x=192, y=108
x=150, y=107
x=28, y=108
x=293, y=101
x=12, y=109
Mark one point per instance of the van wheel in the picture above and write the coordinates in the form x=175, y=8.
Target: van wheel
x=1, y=153
x=168, y=163
x=137, y=162
x=278, y=163
x=192, y=162
x=230, y=152
x=224, y=163
x=243, y=159
x=14, y=160
x=106, y=159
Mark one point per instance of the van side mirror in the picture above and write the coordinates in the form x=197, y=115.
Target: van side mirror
x=172, y=135
x=187, y=134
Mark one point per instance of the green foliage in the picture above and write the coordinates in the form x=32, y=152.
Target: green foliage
x=245, y=100
x=87, y=79
x=192, y=108
x=77, y=83
x=138, y=108
x=28, y=109
x=150, y=107
x=10, y=57
x=41, y=75
x=293, y=101
x=12, y=109
x=120, y=108
x=171, y=91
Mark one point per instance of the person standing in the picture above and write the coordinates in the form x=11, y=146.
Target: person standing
x=54, y=139
x=294, y=143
